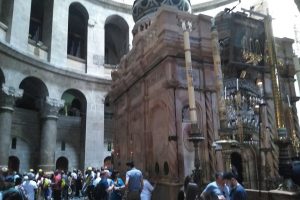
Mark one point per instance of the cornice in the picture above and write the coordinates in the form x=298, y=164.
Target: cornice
x=114, y=5
x=46, y=66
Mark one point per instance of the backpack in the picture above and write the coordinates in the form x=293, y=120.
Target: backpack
x=22, y=192
x=100, y=190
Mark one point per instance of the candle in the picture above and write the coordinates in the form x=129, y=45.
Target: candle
x=225, y=92
x=237, y=84
x=288, y=98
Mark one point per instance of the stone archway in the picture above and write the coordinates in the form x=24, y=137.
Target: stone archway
x=35, y=92
x=62, y=163
x=13, y=163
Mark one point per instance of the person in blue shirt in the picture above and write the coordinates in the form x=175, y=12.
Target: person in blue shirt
x=216, y=189
x=237, y=191
x=119, y=186
x=134, y=182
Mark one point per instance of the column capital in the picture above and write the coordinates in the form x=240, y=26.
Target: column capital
x=185, y=22
x=51, y=107
x=8, y=96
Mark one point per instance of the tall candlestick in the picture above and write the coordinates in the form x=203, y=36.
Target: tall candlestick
x=288, y=98
x=237, y=84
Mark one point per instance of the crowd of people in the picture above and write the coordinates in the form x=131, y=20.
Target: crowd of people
x=92, y=184
x=106, y=184
x=225, y=187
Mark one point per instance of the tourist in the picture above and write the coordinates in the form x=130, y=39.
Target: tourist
x=102, y=189
x=30, y=187
x=134, y=182
x=237, y=191
x=216, y=189
x=119, y=186
x=147, y=188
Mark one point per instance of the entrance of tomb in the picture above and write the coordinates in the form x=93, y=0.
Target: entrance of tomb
x=13, y=163
x=62, y=163
x=237, y=166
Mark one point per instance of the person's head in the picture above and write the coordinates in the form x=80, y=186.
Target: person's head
x=230, y=179
x=18, y=181
x=130, y=164
x=219, y=178
x=104, y=173
x=115, y=174
x=108, y=162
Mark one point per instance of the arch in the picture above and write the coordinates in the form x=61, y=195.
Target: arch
x=75, y=110
x=35, y=91
x=237, y=166
x=116, y=39
x=62, y=163
x=75, y=103
x=13, y=163
x=77, y=30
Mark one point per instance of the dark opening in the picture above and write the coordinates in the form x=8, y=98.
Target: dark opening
x=13, y=163
x=63, y=146
x=62, y=163
x=14, y=143
x=36, y=20
x=77, y=31
x=237, y=166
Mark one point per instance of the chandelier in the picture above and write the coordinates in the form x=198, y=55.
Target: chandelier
x=251, y=50
x=241, y=100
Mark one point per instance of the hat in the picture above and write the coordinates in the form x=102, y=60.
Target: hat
x=4, y=169
x=26, y=178
x=31, y=170
x=104, y=172
x=89, y=168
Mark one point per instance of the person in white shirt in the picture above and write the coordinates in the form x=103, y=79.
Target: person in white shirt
x=30, y=187
x=147, y=189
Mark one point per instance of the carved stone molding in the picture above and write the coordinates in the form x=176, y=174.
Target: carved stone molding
x=8, y=96
x=51, y=107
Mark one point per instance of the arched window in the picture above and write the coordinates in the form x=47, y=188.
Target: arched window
x=6, y=7
x=36, y=20
x=40, y=26
x=77, y=31
x=116, y=39
x=6, y=11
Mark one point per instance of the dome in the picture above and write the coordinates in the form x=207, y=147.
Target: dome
x=143, y=8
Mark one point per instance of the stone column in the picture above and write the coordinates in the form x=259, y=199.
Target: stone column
x=8, y=96
x=49, y=115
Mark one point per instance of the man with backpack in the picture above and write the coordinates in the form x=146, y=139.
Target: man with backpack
x=102, y=189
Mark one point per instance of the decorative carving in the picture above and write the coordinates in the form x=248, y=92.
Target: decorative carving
x=8, y=96
x=156, y=77
x=51, y=107
x=142, y=8
x=182, y=77
x=135, y=91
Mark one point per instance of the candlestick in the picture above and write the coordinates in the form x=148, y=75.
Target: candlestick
x=288, y=98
